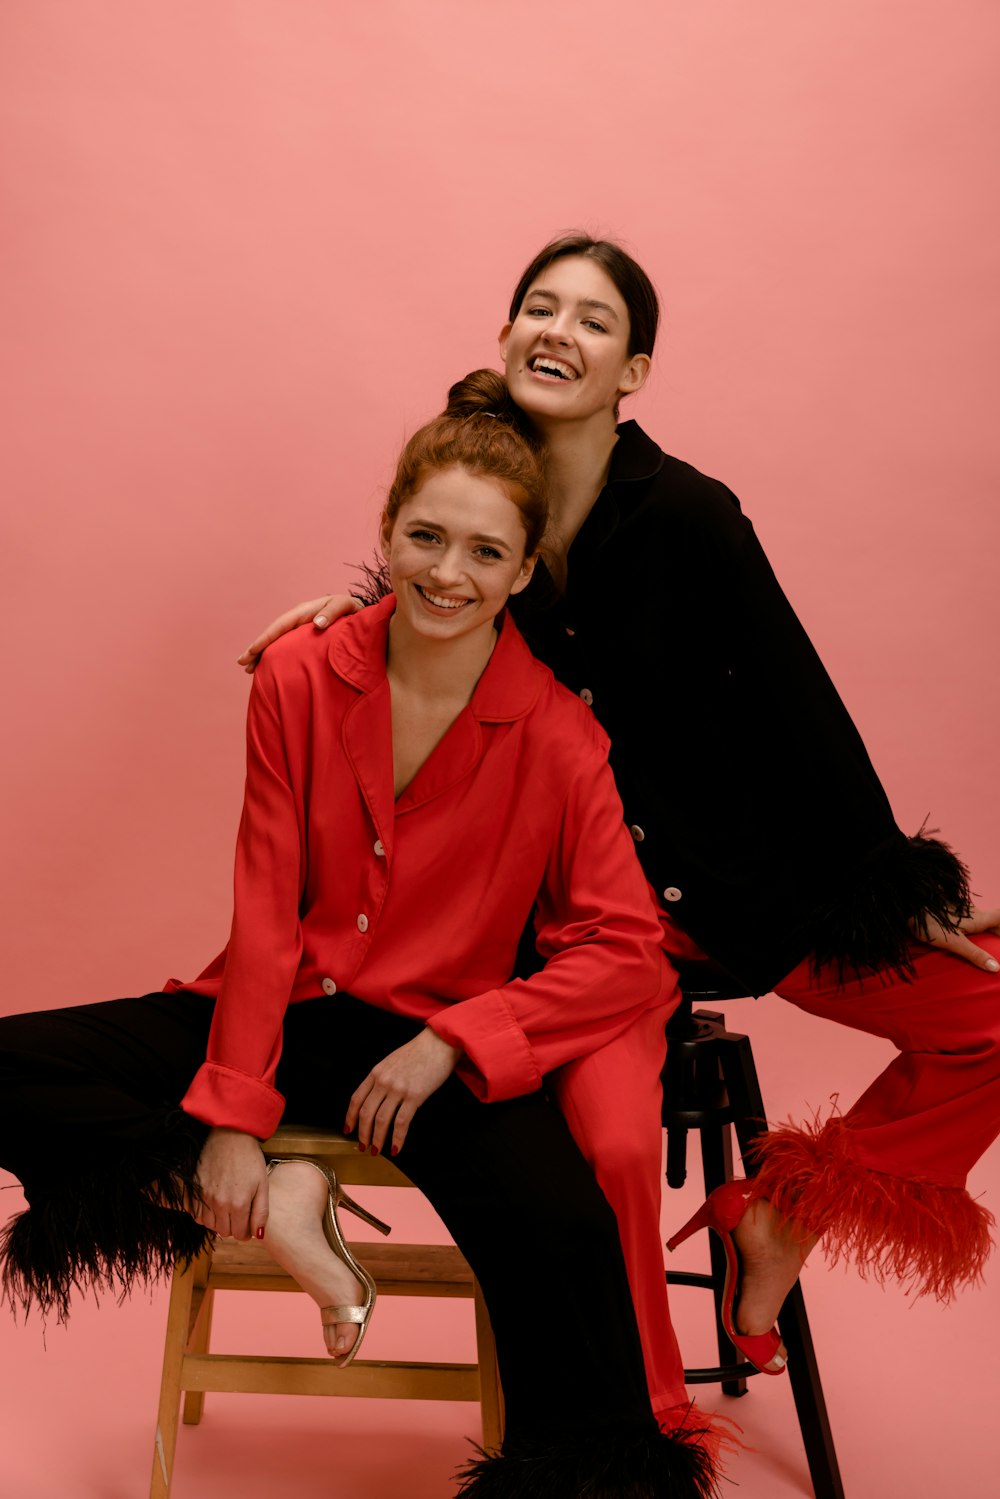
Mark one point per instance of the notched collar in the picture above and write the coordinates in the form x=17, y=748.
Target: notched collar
x=634, y=456
x=507, y=690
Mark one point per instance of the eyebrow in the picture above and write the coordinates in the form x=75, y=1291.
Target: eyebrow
x=550, y=296
x=431, y=525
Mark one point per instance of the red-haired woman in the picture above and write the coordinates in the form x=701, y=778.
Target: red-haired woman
x=417, y=786
x=783, y=863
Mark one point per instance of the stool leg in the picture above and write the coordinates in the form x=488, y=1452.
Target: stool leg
x=194, y=1400
x=793, y=1322
x=678, y=1082
x=717, y=1167
x=807, y=1391
x=182, y=1289
x=491, y=1392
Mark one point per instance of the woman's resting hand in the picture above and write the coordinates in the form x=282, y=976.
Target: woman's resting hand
x=322, y=612
x=957, y=942
x=393, y=1091
x=232, y=1177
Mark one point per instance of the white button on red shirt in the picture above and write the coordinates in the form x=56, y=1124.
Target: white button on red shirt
x=671, y=893
x=329, y=987
x=362, y=922
x=379, y=848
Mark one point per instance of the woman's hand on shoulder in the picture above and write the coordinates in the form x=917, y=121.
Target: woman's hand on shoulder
x=232, y=1179
x=956, y=940
x=393, y=1091
x=322, y=612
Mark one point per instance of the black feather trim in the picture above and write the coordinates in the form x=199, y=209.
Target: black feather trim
x=374, y=584
x=637, y=1462
x=888, y=903
x=118, y=1223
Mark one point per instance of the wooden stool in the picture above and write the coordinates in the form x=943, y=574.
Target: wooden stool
x=710, y=1084
x=398, y=1269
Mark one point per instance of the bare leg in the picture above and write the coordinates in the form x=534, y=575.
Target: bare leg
x=295, y=1237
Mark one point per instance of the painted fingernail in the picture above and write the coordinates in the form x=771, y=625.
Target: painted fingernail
x=395, y=1150
x=374, y=1150
x=361, y=1148
x=260, y=1233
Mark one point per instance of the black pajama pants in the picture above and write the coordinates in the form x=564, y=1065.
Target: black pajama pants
x=90, y=1124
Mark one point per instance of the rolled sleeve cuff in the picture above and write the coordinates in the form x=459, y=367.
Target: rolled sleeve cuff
x=499, y=1062
x=228, y=1099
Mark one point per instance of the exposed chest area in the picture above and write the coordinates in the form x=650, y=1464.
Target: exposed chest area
x=418, y=726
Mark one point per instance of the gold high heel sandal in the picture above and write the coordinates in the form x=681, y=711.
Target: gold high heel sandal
x=336, y=1198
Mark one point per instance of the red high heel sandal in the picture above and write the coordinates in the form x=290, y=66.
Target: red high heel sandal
x=723, y=1211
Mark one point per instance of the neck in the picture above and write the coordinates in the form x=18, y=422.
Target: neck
x=444, y=670
x=577, y=459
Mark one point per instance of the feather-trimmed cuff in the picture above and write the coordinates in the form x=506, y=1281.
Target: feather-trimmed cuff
x=887, y=903
x=928, y=1238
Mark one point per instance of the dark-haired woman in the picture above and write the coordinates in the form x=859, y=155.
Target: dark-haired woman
x=787, y=868
x=416, y=758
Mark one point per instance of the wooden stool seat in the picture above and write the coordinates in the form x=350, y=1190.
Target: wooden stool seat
x=439, y=1270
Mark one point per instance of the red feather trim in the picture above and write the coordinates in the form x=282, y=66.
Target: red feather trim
x=931, y=1239
x=719, y=1435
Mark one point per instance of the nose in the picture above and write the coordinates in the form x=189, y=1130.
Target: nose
x=448, y=569
x=557, y=330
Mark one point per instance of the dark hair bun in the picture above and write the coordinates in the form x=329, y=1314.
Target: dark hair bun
x=482, y=393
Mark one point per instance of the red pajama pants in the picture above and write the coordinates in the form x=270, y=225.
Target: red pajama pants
x=883, y=1183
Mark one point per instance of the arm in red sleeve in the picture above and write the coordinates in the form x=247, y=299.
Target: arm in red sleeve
x=598, y=932
x=235, y=1085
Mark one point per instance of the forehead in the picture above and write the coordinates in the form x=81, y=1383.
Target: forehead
x=577, y=278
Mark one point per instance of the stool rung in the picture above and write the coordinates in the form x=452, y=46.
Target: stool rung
x=722, y=1374
x=251, y=1375
x=690, y=1278
x=418, y=1269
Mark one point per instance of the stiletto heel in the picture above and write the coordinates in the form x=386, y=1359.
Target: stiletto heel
x=337, y=1197
x=343, y=1201
x=723, y=1211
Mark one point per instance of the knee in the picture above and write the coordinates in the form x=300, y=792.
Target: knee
x=624, y=1154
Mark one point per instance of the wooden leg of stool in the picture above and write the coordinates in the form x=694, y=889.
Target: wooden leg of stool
x=182, y=1289
x=491, y=1394
x=198, y=1342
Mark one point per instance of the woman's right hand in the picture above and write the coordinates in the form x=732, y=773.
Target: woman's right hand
x=322, y=612
x=232, y=1180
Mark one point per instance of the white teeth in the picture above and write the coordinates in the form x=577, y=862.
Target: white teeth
x=546, y=366
x=443, y=603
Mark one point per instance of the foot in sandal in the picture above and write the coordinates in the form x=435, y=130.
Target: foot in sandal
x=303, y=1236
x=771, y=1257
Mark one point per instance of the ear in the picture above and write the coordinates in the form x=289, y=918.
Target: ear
x=504, y=335
x=524, y=576
x=384, y=537
x=634, y=375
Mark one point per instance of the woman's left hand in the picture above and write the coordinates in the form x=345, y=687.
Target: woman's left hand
x=957, y=942
x=393, y=1091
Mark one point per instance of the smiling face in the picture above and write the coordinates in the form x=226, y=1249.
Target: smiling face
x=566, y=351
x=455, y=554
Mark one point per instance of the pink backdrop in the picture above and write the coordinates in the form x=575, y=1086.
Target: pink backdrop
x=247, y=245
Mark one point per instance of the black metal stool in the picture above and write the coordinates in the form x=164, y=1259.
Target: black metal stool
x=710, y=1084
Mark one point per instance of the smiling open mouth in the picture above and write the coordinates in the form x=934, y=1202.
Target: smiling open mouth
x=554, y=368
x=439, y=600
